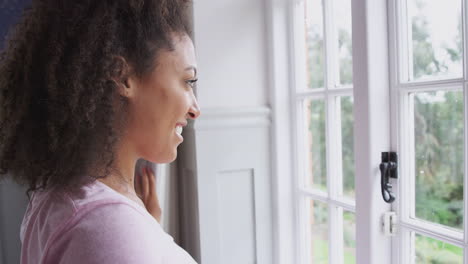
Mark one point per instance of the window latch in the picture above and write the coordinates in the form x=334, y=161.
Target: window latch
x=388, y=169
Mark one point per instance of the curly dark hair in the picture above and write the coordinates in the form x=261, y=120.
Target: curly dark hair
x=61, y=115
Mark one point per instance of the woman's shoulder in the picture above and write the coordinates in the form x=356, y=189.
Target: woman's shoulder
x=97, y=202
x=115, y=233
x=51, y=212
x=95, y=214
x=53, y=208
x=96, y=225
x=107, y=228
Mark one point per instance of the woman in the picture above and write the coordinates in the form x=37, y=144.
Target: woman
x=87, y=88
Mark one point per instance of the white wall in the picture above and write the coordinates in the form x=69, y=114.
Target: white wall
x=230, y=43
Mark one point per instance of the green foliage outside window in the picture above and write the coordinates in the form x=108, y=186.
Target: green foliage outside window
x=318, y=144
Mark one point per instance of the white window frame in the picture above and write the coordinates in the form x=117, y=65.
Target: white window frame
x=376, y=129
x=370, y=96
x=285, y=245
x=372, y=126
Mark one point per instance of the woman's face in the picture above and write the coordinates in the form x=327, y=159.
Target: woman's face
x=162, y=102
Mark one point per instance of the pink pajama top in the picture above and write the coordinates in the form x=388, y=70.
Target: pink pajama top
x=98, y=225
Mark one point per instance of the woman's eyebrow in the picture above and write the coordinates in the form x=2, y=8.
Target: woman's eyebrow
x=189, y=68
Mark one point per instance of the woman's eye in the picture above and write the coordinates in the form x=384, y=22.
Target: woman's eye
x=192, y=82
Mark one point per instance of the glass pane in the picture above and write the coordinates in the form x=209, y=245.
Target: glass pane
x=315, y=52
x=349, y=237
x=319, y=232
x=342, y=16
x=314, y=113
x=436, y=38
x=433, y=251
x=438, y=131
x=347, y=144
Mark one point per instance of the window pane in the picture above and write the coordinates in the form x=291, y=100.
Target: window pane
x=318, y=220
x=316, y=144
x=347, y=144
x=439, y=164
x=429, y=250
x=436, y=38
x=342, y=16
x=314, y=43
x=349, y=237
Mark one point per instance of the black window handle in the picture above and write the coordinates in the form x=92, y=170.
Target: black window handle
x=388, y=169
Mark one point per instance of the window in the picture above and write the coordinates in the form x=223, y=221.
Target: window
x=428, y=87
x=324, y=106
x=410, y=75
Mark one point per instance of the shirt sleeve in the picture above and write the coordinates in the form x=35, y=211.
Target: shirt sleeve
x=110, y=233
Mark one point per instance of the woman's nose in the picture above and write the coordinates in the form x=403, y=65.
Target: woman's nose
x=194, y=111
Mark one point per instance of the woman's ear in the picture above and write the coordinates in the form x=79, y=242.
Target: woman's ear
x=122, y=76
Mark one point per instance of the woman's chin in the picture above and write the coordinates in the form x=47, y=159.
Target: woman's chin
x=170, y=157
x=173, y=158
